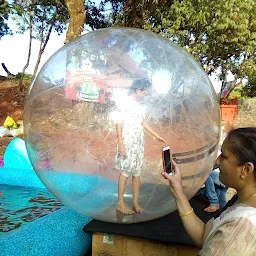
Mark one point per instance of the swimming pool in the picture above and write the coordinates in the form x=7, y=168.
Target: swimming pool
x=31, y=220
x=21, y=205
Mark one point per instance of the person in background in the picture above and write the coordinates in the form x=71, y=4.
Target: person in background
x=233, y=232
x=215, y=192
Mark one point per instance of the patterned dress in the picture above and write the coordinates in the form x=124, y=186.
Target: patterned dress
x=133, y=139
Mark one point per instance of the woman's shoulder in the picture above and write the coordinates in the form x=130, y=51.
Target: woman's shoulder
x=229, y=232
x=234, y=215
x=239, y=211
x=235, y=236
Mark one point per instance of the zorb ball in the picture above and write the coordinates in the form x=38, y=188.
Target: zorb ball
x=100, y=112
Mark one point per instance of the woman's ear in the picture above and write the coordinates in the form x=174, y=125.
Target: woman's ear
x=248, y=169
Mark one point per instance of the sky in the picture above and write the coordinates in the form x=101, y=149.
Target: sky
x=14, y=50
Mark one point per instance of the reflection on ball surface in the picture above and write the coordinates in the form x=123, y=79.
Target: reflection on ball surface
x=99, y=113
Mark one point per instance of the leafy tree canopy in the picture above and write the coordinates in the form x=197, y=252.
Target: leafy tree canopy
x=4, y=13
x=96, y=17
x=219, y=33
x=44, y=14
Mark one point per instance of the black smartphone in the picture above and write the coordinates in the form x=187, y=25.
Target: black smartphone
x=167, y=160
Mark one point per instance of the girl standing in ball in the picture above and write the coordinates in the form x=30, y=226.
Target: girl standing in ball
x=130, y=137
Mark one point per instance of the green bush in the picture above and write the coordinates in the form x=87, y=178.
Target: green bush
x=244, y=91
x=27, y=77
x=235, y=94
x=249, y=90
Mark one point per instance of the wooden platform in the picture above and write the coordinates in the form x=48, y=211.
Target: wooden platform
x=115, y=245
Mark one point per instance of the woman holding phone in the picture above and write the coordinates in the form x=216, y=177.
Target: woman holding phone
x=234, y=231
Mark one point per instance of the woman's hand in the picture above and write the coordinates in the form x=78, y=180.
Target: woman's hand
x=175, y=180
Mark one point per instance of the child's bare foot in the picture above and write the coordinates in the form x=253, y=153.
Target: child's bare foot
x=138, y=208
x=212, y=208
x=123, y=208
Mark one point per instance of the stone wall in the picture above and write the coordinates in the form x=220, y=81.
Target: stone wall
x=246, y=113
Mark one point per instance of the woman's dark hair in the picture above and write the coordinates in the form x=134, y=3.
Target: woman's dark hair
x=242, y=143
x=140, y=84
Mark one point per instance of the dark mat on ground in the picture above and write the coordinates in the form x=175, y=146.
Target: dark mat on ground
x=167, y=229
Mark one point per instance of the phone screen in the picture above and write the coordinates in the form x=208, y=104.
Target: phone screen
x=167, y=159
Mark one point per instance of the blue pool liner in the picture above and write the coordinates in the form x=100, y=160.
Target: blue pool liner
x=20, y=177
x=16, y=155
x=58, y=233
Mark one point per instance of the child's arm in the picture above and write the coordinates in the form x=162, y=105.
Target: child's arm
x=121, y=148
x=152, y=132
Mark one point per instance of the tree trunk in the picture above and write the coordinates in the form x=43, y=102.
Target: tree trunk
x=223, y=79
x=77, y=15
x=41, y=51
x=82, y=110
x=29, y=53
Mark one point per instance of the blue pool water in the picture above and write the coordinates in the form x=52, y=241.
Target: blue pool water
x=21, y=205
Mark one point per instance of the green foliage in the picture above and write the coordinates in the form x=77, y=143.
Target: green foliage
x=40, y=18
x=96, y=17
x=219, y=34
x=244, y=91
x=27, y=77
x=236, y=93
x=250, y=89
x=45, y=14
x=4, y=13
x=247, y=69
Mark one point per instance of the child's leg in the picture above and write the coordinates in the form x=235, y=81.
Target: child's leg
x=121, y=205
x=222, y=192
x=211, y=195
x=136, y=192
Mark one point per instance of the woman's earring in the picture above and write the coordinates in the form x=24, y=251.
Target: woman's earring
x=242, y=177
